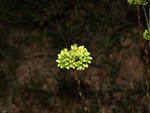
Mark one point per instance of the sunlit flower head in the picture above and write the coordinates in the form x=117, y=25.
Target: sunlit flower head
x=146, y=35
x=77, y=57
x=138, y=2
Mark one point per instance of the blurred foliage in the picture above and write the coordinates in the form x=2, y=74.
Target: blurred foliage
x=67, y=21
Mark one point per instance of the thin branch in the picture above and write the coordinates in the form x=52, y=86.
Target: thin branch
x=80, y=92
x=146, y=17
x=149, y=17
x=140, y=26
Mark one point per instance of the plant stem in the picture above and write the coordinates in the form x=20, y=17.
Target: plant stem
x=149, y=17
x=145, y=16
x=140, y=26
x=147, y=65
x=147, y=76
x=145, y=46
x=80, y=91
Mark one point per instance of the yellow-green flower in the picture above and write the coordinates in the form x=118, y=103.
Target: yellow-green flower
x=146, y=35
x=77, y=57
x=138, y=2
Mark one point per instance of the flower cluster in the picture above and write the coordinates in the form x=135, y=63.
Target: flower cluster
x=146, y=34
x=138, y=2
x=77, y=57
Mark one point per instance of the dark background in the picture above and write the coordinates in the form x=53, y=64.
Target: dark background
x=33, y=32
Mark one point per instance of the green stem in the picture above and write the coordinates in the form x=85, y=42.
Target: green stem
x=80, y=91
